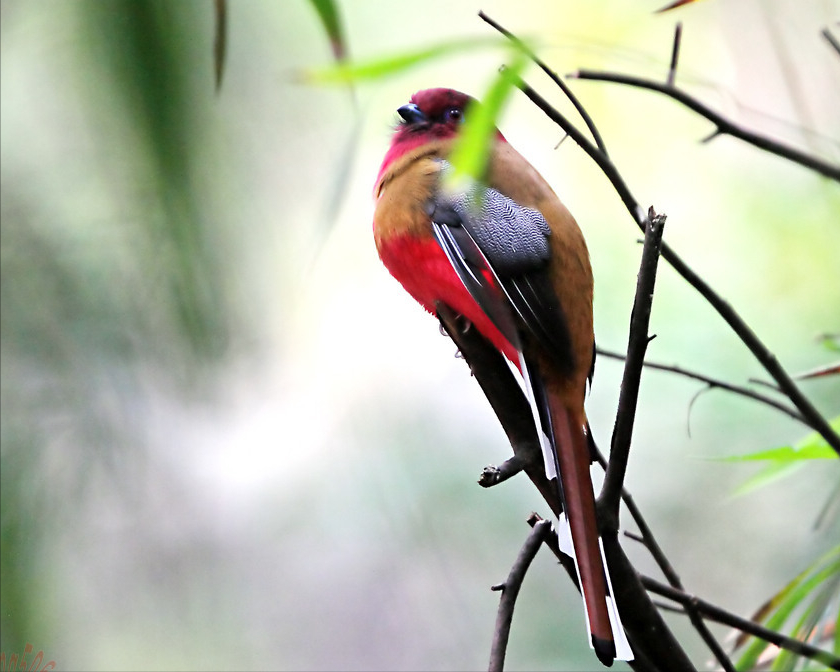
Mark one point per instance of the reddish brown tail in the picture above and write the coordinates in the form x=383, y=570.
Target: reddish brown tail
x=579, y=501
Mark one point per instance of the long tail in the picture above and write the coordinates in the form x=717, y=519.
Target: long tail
x=579, y=504
x=579, y=529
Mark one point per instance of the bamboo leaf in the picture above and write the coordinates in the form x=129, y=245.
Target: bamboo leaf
x=327, y=11
x=344, y=72
x=784, y=460
x=791, y=596
x=472, y=149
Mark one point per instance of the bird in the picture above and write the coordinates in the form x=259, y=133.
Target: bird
x=506, y=255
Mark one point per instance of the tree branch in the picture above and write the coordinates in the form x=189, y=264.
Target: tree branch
x=610, y=498
x=675, y=54
x=712, y=383
x=723, y=126
x=510, y=591
x=581, y=110
x=719, y=615
x=826, y=33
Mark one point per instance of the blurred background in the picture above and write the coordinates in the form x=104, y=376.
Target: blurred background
x=230, y=440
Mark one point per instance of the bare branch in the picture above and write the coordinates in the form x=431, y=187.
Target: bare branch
x=505, y=395
x=826, y=33
x=675, y=54
x=581, y=110
x=713, y=383
x=493, y=475
x=510, y=591
x=668, y=570
x=610, y=497
x=654, y=646
x=719, y=615
x=723, y=125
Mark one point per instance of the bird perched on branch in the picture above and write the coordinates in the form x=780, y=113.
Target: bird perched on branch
x=508, y=256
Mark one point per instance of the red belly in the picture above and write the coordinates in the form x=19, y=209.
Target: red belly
x=424, y=271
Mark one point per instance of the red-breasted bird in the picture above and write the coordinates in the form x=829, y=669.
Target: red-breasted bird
x=508, y=256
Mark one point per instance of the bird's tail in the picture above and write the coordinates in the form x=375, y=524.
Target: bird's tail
x=578, y=529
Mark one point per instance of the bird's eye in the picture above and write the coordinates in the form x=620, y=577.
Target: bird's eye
x=454, y=114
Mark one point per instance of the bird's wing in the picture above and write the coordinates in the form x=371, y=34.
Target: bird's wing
x=493, y=243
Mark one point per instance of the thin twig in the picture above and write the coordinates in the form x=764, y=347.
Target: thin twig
x=493, y=475
x=610, y=496
x=510, y=591
x=826, y=33
x=723, y=125
x=675, y=54
x=712, y=382
x=719, y=615
x=581, y=110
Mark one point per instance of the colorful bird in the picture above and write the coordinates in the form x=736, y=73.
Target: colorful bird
x=508, y=256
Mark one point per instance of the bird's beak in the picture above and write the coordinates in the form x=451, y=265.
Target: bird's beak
x=411, y=114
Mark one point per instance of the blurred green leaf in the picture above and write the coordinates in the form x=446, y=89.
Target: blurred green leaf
x=817, y=584
x=785, y=454
x=345, y=72
x=784, y=460
x=830, y=342
x=328, y=13
x=472, y=148
x=220, y=41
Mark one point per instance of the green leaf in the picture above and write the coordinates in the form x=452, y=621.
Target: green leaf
x=830, y=342
x=328, y=13
x=344, y=72
x=220, y=41
x=784, y=460
x=779, y=608
x=810, y=450
x=472, y=148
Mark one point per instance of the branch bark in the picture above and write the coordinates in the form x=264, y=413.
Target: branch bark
x=510, y=591
x=610, y=497
x=723, y=126
x=719, y=615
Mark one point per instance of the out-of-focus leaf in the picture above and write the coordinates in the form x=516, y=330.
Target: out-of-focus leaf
x=471, y=151
x=784, y=460
x=141, y=51
x=830, y=342
x=220, y=41
x=674, y=5
x=825, y=572
x=328, y=13
x=344, y=72
x=830, y=370
x=787, y=454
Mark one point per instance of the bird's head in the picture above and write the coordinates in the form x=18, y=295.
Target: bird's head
x=431, y=115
